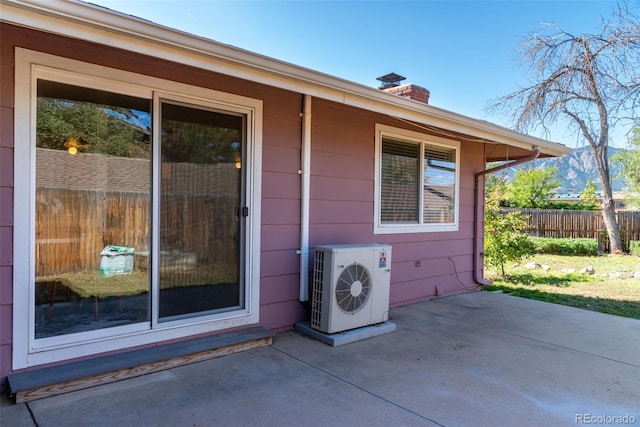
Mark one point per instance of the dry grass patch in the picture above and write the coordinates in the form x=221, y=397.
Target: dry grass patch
x=612, y=289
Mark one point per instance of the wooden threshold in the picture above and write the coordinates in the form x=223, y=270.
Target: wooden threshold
x=47, y=382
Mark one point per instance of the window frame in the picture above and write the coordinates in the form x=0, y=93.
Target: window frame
x=31, y=66
x=412, y=137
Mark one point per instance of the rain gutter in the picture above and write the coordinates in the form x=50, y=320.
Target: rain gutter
x=478, y=230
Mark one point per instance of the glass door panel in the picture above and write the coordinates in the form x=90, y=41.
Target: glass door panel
x=92, y=200
x=201, y=194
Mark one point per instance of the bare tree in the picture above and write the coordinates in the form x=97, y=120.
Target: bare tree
x=590, y=81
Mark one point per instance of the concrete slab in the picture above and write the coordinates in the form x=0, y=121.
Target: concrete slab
x=346, y=337
x=481, y=359
x=582, y=330
x=12, y=415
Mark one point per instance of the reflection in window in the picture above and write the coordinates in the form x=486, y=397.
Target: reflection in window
x=439, y=184
x=93, y=181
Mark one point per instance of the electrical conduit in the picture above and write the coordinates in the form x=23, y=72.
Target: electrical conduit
x=305, y=183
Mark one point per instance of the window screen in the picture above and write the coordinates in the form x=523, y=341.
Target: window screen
x=399, y=181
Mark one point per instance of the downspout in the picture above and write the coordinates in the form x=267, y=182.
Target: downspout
x=305, y=183
x=478, y=239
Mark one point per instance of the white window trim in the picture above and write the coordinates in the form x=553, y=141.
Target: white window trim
x=382, y=131
x=30, y=65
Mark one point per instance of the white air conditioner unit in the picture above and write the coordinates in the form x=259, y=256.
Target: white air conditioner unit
x=350, y=286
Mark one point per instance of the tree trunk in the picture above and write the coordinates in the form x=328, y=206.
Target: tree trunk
x=613, y=231
x=608, y=204
x=610, y=220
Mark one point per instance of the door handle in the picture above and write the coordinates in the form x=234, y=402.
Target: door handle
x=242, y=211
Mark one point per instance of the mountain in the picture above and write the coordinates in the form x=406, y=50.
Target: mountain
x=575, y=169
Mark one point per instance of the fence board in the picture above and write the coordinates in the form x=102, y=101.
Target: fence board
x=561, y=223
x=75, y=225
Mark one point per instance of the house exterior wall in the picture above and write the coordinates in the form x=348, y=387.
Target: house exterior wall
x=342, y=182
x=342, y=185
x=280, y=179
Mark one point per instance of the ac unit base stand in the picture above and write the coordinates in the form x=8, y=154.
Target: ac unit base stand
x=346, y=337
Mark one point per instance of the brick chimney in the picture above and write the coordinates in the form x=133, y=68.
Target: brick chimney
x=391, y=84
x=411, y=91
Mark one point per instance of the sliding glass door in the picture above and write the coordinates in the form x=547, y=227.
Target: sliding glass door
x=201, y=216
x=92, y=198
x=136, y=210
x=139, y=210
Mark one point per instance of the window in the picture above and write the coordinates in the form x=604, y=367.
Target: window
x=142, y=218
x=416, y=182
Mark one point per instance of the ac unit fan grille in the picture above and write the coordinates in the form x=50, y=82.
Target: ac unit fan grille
x=353, y=288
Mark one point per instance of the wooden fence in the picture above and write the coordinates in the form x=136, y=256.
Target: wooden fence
x=576, y=224
x=74, y=226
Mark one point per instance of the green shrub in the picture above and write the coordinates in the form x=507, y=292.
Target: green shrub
x=569, y=247
x=571, y=206
x=504, y=239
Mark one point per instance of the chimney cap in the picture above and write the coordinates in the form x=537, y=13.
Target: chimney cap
x=390, y=80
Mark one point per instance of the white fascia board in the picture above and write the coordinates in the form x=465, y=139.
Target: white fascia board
x=96, y=24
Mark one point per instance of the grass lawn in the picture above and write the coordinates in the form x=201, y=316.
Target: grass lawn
x=612, y=289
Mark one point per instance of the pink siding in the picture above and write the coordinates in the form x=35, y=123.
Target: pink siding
x=275, y=289
x=324, y=188
x=424, y=250
x=281, y=159
x=278, y=262
x=280, y=239
x=6, y=279
x=435, y=266
x=280, y=211
x=6, y=167
x=6, y=322
x=283, y=132
x=6, y=126
x=277, y=237
x=6, y=250
x=279, y=185
x=342, y=187
x=349, y=212
x=281, y=316
x=6, y=207
x=6, y=197
x=329, y=234
x=342, y=165
x=5, y=362
x=342, y=206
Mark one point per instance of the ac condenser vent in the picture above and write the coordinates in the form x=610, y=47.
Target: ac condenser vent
x=353, y=288
x=350, y=286
x=316, y=295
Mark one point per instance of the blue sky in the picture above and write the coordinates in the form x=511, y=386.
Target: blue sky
x=464, y=52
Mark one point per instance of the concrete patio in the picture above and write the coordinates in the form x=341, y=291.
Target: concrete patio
x=481, y=359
